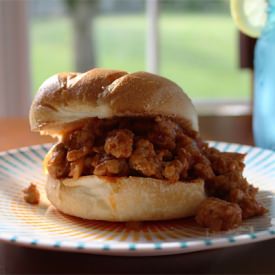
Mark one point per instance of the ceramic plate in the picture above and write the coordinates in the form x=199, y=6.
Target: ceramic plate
x=44, y=227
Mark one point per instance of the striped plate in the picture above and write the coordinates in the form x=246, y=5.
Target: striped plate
x=43, y=226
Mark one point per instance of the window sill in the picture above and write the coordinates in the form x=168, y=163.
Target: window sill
x=223, y=107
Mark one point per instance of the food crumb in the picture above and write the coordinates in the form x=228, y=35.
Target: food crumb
x=31, y=194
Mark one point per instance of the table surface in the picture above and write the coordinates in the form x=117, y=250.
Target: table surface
x=256, y=258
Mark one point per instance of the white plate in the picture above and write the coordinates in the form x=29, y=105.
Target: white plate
x=44, y=227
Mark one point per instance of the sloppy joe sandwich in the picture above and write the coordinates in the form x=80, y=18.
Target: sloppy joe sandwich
x=129, y=149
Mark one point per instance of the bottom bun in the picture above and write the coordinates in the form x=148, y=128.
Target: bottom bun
x=125, y=198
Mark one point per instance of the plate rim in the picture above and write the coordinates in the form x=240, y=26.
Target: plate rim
x=140, y=249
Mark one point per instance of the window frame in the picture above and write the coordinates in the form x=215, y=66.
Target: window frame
x=15, y=95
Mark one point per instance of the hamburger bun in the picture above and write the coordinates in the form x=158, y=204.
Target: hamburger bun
x=125, y=198
x=66, y=98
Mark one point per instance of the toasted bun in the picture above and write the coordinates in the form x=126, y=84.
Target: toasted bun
x=125, y=199
x=69, y=97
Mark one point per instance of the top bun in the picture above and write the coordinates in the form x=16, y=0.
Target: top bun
x=69, y=97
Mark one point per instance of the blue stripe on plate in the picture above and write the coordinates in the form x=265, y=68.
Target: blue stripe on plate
x=11, y=164
x=270, y=173
x=106, y=247
x=34, y=242
x=247, y=150
x=1, y=173
x=208, y=242
x=158, y=246
x=214, y=144
x=250, y=149
x=183, y=245
x=252, y=158
x=262, y=160
x=44, y=148
x=36, y=153
x=9, y=169
x=220, y=146
x=132, y=246
x=231, y=239
x=269, y=167
x=57, y=244
x=26, y=156
x=13, y=239
x=80, y=245
x=227, y=147
x=238, y=149
x=12, y=168
x=18, y=160
x=252, y=235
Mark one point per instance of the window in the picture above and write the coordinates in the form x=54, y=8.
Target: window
x=199, y=49
x=198, y=43
x=51, y=39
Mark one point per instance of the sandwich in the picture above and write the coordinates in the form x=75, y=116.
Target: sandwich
x=128, y=149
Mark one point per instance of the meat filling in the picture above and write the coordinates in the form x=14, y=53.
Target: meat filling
x=219, y=214
x=145, y=160
x=159, y=148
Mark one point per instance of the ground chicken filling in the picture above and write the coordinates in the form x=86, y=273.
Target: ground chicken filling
x=159, y=148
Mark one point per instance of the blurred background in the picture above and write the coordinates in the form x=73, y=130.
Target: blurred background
x=192, y=42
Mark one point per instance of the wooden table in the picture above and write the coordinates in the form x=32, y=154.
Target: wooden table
x=257, y=258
